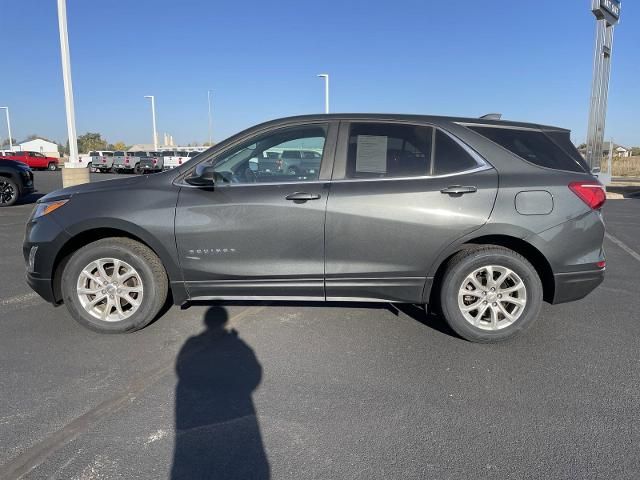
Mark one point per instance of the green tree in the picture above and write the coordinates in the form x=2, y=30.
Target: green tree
x=91, y=141
x=118, y=146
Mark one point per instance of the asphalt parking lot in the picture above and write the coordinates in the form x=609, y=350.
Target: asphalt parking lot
x=310, y=391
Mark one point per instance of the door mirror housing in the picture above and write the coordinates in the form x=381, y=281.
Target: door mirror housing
x=204, y=176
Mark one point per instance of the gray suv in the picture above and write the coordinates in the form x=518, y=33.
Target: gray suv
x=479, y=220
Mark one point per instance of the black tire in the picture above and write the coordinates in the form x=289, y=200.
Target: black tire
x=142, y=259
x=136, y=169
x=9, y=192
x=52, y=167
x=90, y=167
x=468, y=261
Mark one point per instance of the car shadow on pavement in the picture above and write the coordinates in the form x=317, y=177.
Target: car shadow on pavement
x=217, y=430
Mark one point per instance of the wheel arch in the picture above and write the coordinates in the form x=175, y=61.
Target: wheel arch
x=524, y=248
x=84, y=237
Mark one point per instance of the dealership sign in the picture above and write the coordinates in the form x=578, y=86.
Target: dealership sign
x=608, y=10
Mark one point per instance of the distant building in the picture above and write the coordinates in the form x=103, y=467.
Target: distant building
x=39, y=145
x=618, y=151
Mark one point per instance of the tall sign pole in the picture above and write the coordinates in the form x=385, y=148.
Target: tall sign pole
x=73, y=172
x=607, y=14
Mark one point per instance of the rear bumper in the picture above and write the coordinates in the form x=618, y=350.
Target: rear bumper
x=576, y=285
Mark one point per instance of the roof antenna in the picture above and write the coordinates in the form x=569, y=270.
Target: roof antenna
x=491, y=116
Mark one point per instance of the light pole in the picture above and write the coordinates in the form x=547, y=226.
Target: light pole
x=8, y=128
x=73, y=173
x=607, y=13
x=326, y=91
x=210, y=121
x=153, y=119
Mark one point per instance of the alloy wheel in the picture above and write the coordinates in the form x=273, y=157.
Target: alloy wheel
x=7, y=192
x=492, y=297
x=110, y=289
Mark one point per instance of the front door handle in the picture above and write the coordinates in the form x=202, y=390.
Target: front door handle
x=459, y=189
x=302, y=196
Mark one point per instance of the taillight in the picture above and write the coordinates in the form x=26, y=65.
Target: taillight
x=126, y=160
x=155, y=160
x=601, y=264
x=179, y=161
x=591, y=193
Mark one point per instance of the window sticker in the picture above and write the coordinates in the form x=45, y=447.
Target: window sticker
x=371, y=155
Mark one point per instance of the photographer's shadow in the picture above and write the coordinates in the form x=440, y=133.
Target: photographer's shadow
x=217, y=431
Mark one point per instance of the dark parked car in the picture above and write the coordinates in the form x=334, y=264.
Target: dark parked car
x=16, y=181
x=479, y=219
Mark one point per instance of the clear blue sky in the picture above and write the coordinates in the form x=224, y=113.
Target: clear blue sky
x=529, y=60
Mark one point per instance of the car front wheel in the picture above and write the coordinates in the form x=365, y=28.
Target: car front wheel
x=114, y=285
x=490, y=293
x=52, y=167
x=8, y=192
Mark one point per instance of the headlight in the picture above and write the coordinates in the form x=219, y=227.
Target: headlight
x=46, y=208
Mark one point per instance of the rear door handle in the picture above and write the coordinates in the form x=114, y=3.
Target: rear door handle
x=302, y=196
x=459, y=189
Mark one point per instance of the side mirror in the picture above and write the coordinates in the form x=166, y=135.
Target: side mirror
x=204, y=176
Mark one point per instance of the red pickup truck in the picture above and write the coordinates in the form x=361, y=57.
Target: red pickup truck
x=34, y=160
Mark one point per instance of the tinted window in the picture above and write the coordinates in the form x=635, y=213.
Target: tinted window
x=450, y=156
x=107, y=154
x=94, y=154
x=291, y=154
x=535, y=147
x=386, y=150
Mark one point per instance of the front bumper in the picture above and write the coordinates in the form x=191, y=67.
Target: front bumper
x=49, y=238
x=576, y=285
x=42, y=286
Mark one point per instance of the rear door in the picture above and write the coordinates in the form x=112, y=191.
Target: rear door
x=395, y=203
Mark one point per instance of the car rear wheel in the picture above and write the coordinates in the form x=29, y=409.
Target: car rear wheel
x=52, y=167
x=114, y=285
x=8, y=192
x=137, y=169
x=490, y=294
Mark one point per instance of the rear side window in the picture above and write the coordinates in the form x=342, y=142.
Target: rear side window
x=118, y=154
x=450, y=156
x=379, y=150
x=550, y=150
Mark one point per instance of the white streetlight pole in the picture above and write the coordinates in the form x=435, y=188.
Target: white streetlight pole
x=210, y=121
x=8, y=128
x=68, y=85
x=153, y=117
x=326, y=91
x=73, y=173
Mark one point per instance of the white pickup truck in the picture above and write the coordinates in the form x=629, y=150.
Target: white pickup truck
x=175, y=159
x=94, y=158
x=127, y=161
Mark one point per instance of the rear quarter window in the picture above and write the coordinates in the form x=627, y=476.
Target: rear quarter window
x=551, y=150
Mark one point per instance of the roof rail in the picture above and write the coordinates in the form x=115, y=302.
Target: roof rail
x=491, y=116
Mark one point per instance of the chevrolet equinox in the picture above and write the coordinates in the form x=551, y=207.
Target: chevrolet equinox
x=480, y=219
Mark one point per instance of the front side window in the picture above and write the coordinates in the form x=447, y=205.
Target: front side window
x=274, y=157
x=379, y=150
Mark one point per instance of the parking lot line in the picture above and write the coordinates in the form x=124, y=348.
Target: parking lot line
x=623, y=246
x=38, y=453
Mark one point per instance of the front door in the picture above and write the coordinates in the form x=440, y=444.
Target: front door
x=259, y=233
x=391, y=211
